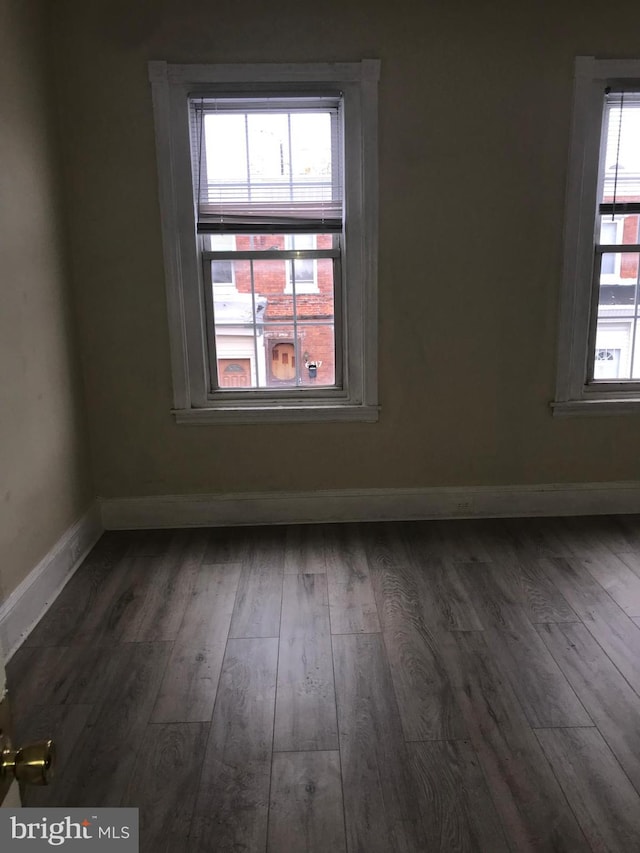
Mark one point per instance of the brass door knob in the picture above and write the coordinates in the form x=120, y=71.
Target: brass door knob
x=32, y=764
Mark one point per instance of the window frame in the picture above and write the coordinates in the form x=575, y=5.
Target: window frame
x=193, y=402
x=576, y=393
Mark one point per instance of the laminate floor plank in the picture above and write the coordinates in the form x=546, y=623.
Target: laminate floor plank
x=108, y=602
x=521, y=577
x=259, y=597
x=632, y=560
x=618, y=635
x=189, y=685
x=305, y=606
x=229, y=544
x=579, y=535
x=629, y=525
x=39, y=675
x=62, y=723
x=458, y=813
x=164, y=784
x=425, y=536
x=149, y=543
x=85, y=596
x=188, y=690
x=119, y=623
x=544, y=693
x=75, y=674
x=387, y=545
x=526, y=794
x=462, y=540
x=604, y=801
x=381, y=808
x=305, y=549
x=208, y=614
x=106, y=751
x=306, y=811
x=352, y=605
x=443, y=597
x=613, y=535
x=169, y=592
x=426, y=701
x=305, y=697
x=540, y=600
x=615, y=576
x=232, y=805
x=611, y=703
x=537, y=537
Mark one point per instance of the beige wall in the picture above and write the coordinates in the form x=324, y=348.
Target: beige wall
x=475, y=102
x=44, y=479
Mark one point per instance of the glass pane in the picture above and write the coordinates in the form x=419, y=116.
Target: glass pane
x=317, y=346
x=617, y=351
x=623, y=133
x=267, y=157
x=619, y=230
x=267, y=242
x=268, y=325
x=311, y=145
x=225, y=148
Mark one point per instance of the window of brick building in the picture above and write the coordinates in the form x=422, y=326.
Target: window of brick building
x=268, y=202
x=599, y=341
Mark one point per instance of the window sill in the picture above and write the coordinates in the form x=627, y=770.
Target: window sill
x=602, y=406
x=274, y=414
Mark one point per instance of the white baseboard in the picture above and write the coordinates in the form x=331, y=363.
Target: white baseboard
x=37, y=592
x=369, y=505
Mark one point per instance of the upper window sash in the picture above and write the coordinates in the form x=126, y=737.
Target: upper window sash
x=282, y=161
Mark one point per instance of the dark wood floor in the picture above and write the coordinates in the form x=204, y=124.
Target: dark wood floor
x=431, y=686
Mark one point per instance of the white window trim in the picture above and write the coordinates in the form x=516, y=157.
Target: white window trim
x=358, y=400
x=573, y=394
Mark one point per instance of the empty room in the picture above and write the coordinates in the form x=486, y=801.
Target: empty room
x=320, y=387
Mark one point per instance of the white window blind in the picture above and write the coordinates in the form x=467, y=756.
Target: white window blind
x=267, y=164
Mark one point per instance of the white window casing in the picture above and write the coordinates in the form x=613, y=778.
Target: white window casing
x=355, y=397
x=578, y=390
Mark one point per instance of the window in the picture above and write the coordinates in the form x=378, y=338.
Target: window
x=268, y=192
x=599, y=343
